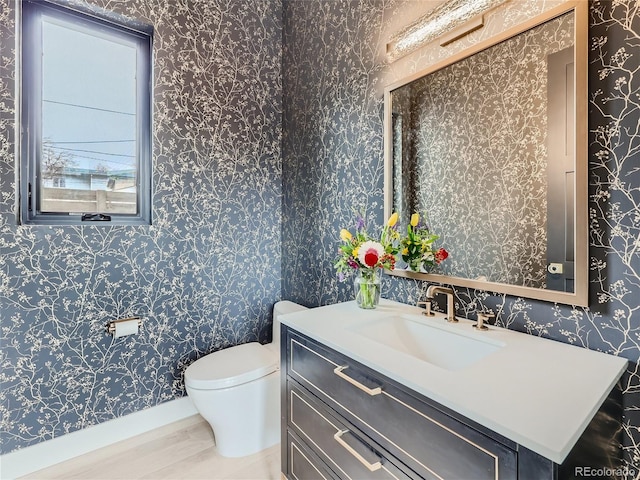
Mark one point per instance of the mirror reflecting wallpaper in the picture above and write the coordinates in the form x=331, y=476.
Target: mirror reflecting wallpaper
x=484, y=148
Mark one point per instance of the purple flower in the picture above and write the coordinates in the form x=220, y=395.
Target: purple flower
x=341, y=277
x=360, y=223
x=352, y=263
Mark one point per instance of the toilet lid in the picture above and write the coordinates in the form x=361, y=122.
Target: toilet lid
x=231, y=366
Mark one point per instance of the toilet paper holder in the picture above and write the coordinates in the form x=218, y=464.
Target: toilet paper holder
x=111, y=326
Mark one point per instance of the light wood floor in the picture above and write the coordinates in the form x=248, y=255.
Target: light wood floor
x=181, y=450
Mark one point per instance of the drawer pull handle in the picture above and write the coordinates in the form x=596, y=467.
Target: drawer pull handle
x=371, y=466
x=369, y=391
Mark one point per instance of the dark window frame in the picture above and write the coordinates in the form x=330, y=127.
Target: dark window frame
x=32, y=13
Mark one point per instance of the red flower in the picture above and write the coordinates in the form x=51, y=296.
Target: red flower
x=441, y=255
x=369, y=253
x=371, y=258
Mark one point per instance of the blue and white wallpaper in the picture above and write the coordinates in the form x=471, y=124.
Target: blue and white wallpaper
x=206, y=273
x=239, y=221
x=333, y=80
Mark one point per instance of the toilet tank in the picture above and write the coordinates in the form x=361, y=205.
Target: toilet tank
x=282, y=308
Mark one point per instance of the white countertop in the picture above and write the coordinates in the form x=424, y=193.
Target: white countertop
x=539, y=393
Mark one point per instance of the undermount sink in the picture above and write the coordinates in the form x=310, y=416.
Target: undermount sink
x=439, y=346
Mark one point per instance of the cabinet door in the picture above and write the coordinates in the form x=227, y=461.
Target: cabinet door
x=430, y=442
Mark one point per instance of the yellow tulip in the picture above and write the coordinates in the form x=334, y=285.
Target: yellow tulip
x=393, y=219
x=415, y=218
x=345, y=235
x=405, y=251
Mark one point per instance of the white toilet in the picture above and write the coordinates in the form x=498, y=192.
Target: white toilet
x=237, y=390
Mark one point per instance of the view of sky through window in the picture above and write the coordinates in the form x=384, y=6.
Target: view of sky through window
x=88, y=110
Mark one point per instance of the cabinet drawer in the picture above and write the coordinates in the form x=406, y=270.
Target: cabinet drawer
x=346, y=452
x=424, y=438
x=304, y=464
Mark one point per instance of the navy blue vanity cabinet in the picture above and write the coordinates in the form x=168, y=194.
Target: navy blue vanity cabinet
x=361, y=425
x=341, y=419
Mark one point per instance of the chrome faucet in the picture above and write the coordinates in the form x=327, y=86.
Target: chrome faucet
x=436, y=289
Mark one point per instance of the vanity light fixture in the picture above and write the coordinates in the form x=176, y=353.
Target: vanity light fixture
x=466, y=15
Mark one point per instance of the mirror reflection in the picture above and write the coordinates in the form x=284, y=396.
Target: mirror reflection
x=484, y=148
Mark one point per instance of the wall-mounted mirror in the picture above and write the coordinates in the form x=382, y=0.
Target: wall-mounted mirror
x=490, y=145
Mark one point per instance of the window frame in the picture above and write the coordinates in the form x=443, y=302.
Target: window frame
x=30, y=113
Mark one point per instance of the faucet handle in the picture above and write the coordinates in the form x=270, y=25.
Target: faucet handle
x=427, y=308
x=483, y=317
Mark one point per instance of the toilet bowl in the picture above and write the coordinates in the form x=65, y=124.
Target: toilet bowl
x=237, y=391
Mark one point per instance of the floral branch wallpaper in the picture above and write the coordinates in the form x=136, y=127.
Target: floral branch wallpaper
x=334, y=75
x=204, y=276
x=239, y=221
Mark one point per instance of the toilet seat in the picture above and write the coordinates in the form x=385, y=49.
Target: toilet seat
x=231, y=367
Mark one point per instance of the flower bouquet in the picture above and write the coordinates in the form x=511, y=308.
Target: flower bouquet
x=417, y=246
x=365, y=255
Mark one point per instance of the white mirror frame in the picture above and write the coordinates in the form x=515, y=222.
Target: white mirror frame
x=580, y=297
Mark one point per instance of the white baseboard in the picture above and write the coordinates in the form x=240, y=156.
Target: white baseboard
x=42, y=455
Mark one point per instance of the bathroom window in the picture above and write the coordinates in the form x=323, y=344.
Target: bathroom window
x=85, y=116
